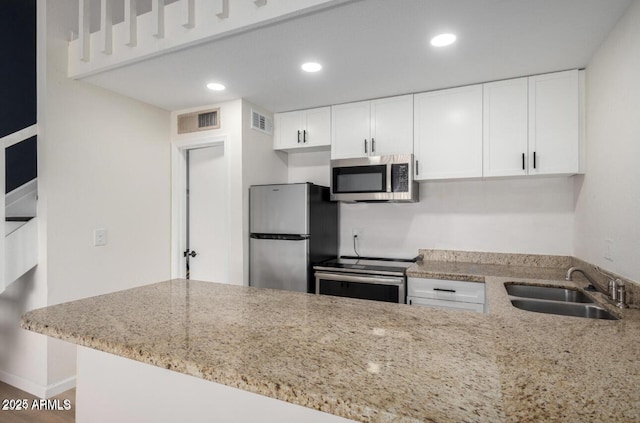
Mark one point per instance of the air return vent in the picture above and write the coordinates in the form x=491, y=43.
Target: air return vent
x=199, y=121
x=261, y=123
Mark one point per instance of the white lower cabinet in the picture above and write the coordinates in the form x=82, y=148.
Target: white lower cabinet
x=447, y=294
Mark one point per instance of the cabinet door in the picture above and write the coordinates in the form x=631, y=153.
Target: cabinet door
x=318, y=127
x=350, y=130
x=392, y=125
x=505, y=131
x=554, y=136
x=288, y=130
x=448, y=133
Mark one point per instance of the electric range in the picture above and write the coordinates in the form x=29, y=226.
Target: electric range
x=369, y=278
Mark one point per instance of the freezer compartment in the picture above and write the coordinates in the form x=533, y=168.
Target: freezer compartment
x=279, y=209
x=279, y=263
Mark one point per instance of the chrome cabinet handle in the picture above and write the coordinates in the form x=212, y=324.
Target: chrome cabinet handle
x=417, y=168
x=298, y=136
x=365, y=147
x=373, y=145
x=522, y=161
x=304, y=136
x=453, y=291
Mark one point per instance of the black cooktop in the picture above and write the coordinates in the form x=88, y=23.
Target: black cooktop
x=373, y=265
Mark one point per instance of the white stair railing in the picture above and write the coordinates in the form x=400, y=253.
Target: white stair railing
x=168, y=26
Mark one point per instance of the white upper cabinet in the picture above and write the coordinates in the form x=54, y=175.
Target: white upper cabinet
x=554, y=123
x=350, y=131
x=531, y=125
x=505, y=127
x=448, y=133
x=372, y=128
x=303, y=129
x=392, y=126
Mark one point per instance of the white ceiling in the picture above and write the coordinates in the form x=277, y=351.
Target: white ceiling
x=374, y=48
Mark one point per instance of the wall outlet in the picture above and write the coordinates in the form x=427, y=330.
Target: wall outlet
x=99, y=237
x=608, y=249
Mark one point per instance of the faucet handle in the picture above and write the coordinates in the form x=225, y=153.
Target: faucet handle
x=621, y=292
x=613, y=289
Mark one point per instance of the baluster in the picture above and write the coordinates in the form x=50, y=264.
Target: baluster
x=106, y=26
x=131, y=21
x=84, y=31
x=191, y=14
x=223, y=6
x=157, y=8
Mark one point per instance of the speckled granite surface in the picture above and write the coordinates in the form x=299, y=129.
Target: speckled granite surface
x=364, y=360
x=370, y=361
x=477, y=272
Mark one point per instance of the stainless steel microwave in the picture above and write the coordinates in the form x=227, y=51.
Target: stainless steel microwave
x=374, y=179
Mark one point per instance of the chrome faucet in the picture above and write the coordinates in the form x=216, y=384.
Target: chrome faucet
x=616, y=292
x=594, y=284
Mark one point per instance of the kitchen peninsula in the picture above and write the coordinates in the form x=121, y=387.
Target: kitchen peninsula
x=356, y=359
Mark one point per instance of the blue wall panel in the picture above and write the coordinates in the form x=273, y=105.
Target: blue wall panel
x=21, y=164
x=17, y=65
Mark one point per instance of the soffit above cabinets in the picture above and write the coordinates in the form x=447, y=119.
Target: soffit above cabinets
x=374, y=48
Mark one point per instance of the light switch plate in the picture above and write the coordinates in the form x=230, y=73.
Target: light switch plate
x=99, y=237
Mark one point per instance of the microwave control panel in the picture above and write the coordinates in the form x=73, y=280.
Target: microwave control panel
x=400, y=177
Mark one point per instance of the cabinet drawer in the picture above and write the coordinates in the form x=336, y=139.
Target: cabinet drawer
x=441, y=289
x=444, y=304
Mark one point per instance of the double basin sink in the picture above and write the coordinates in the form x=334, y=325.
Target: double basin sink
x=555, y=300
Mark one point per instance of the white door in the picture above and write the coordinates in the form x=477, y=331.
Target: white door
x=208, y=219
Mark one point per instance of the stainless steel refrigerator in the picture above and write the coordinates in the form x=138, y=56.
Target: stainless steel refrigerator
x=292, y=227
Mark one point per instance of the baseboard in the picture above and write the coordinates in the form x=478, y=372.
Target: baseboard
x=60, y=387
x=36, y=389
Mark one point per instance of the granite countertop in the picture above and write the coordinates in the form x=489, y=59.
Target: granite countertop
x=372, y=361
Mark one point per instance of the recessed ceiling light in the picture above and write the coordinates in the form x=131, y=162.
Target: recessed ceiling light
x=214, y=86
x=443, y=40
x=311, y=67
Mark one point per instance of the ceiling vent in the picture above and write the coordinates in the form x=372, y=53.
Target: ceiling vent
x=261, y=123
x=199, y=121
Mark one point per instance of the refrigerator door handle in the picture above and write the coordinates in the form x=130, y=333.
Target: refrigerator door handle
x=281, y=237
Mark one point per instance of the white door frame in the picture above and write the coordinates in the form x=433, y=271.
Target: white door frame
x=178, y=198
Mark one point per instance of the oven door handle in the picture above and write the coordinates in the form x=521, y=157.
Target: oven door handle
x=343, y=277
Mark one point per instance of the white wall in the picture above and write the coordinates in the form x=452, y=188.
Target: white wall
x=106, y=164
x=309, y=167
x=104, y=161
x=512, y=216
x=520, y=215
x=608, y=199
